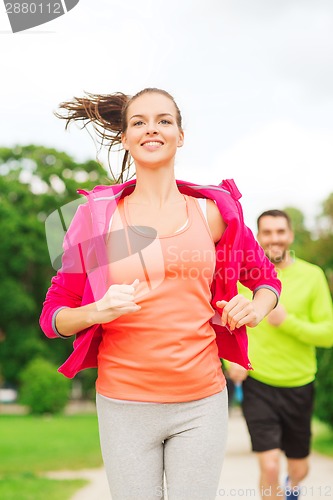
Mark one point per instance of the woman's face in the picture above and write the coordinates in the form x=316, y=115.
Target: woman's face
x=152, y=135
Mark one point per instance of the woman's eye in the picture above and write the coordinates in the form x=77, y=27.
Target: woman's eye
x=165, y=122
x=140, y=122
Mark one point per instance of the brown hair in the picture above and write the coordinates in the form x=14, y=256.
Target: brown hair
x=108, y=115
x=275, y=213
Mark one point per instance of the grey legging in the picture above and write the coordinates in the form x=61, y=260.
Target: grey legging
x=142, y=441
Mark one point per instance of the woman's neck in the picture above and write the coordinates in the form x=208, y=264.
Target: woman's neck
x=155, y=187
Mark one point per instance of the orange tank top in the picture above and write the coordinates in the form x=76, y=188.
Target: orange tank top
x=165, y=352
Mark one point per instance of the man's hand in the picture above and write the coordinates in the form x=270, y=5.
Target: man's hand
x=237, y=373
x=277, y=316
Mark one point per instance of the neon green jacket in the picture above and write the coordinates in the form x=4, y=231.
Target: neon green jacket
x=285, y=356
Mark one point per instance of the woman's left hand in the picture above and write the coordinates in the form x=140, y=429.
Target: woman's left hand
x=239, y=311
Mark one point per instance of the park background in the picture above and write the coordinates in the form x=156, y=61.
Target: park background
x=254, y=81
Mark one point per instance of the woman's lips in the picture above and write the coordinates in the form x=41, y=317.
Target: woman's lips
x=152, y=145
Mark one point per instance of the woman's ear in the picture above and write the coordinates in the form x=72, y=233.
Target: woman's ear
x=181, y=139
x=124, y=141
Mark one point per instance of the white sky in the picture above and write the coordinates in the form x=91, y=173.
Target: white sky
x=253, y=78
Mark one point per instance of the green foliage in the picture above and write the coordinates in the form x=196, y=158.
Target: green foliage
x=324, y=386
x=87, y=379
x=322, y=441
x=323, y=255
x=302, y=237
x=34, y=181
x=43, y=389
x=317, y=248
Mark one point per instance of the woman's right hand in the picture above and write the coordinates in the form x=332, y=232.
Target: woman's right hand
x=118, y=300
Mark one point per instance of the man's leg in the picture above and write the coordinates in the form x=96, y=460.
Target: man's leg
x=298, y=469
x=260, y=409
x=269, y=465
x=297, y=412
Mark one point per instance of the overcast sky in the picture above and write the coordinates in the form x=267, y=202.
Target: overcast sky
x=253, y=78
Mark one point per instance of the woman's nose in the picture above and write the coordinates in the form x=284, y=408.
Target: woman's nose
x=151, y=128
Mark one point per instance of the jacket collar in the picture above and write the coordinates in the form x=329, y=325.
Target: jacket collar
x=117, y=191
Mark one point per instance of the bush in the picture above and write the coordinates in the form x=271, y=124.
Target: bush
x=324, y=386
x=43, y=389
x=87, y=378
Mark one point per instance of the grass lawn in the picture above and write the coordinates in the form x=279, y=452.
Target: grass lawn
x=30, y=487
x=31, y=446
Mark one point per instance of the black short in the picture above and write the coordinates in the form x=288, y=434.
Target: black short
x=278, y=417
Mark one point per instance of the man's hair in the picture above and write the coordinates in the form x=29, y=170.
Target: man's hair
x=275, y=213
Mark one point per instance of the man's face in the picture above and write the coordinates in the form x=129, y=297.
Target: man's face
x=275, y=237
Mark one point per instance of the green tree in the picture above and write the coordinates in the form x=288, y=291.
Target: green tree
x=316, y=247
x=324, y=386
x=323, y=256
x=34, y=181
x=303, y=239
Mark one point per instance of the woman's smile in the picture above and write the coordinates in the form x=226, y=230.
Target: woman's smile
x=152, y=145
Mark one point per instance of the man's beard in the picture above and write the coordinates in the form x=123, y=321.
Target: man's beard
x=278, y=259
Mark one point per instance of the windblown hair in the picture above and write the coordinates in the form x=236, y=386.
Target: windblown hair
x=108, y=115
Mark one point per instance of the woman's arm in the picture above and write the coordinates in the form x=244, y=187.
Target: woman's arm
x=215, y=222
x=241, y=311
x=62, y=313
x=118, y=300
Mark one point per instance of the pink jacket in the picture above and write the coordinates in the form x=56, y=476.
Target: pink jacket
x=81, y=279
